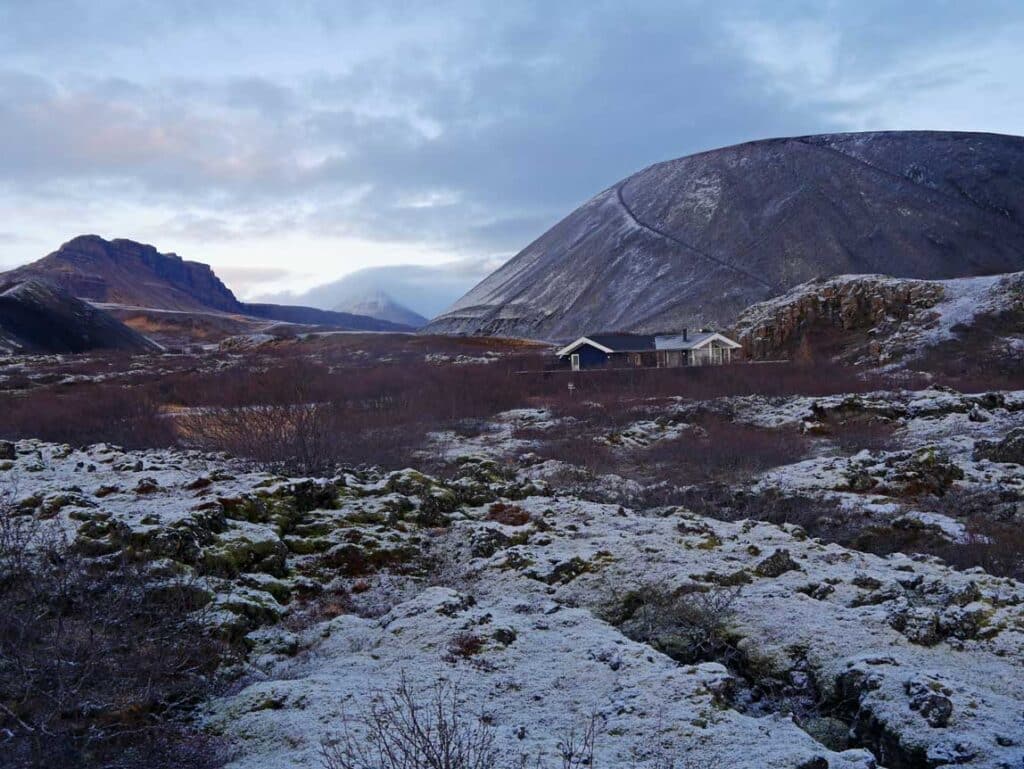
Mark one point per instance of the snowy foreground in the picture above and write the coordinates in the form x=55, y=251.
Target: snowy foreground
x=909, y=662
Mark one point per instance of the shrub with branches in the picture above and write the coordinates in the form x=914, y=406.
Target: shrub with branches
x=430, y=729
x=99, y=665
x=689, y=624
x=405, y=730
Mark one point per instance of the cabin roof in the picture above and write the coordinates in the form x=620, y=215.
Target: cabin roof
x=617, y=342
x=624, y=342
x=691, y=341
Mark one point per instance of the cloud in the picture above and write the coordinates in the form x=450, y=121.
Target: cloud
x=451, y=127
x=428, y=290
x=242, y=280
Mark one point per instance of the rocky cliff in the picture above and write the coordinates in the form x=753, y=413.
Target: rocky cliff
x=125, y=272
x=694, y=241
x=873, y=319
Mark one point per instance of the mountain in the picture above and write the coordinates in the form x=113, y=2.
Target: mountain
x=693, y=241
x=132, y=275
x=344, y=321
x=37, y=317
x=125, y=272
x=427, y=290
x=377, y=304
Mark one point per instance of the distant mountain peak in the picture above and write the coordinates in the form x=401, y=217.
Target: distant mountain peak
x=377, y=303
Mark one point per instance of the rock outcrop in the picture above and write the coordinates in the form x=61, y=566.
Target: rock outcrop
x=879, y=319
x=125, y=272
x=915, y=662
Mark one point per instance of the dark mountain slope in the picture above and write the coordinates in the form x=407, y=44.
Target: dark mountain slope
x=693, y=241
x=311, y=315
x=37, y=317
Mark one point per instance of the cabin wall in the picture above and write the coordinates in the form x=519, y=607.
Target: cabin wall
x=590, y=357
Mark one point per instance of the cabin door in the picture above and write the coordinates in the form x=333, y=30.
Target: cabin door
x=574, y=361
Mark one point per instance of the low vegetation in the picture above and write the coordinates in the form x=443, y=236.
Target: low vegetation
x=408, y=728
x=689, y=623
x=100, y=662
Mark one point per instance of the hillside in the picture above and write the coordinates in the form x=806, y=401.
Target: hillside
x=37, y=317
x=695, y=240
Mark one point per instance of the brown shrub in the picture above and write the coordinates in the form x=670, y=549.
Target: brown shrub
x=854, y=436
x=723, y=450
x=995, y=546
x=465, y=645
x=98, y=666
x=128, y=416
x=509, y=515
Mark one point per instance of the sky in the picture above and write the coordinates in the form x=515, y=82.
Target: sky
x=291, y=143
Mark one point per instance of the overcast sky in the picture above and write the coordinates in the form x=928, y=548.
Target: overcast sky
x=290, y=143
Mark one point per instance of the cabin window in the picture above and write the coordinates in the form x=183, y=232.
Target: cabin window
x=574, y=361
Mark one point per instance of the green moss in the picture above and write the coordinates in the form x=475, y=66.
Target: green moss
x=308, y=545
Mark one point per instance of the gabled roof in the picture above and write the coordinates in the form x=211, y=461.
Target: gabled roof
x=624, y=342
x=692, y=341
x=609, y=343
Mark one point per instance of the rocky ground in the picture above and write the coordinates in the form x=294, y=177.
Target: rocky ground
x=528, y=596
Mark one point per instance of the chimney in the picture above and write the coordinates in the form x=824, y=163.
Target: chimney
x=685, y=336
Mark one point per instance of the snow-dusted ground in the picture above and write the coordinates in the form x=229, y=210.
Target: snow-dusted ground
x=921, y=663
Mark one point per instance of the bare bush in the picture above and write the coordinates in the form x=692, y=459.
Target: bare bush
x=430, y=729
x=721, y=449
x=576, y=748
x=689, y=624
x=405, y=730
x=99, y=666
x=127, y=416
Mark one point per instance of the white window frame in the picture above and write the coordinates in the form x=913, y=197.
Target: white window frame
x=574, y=361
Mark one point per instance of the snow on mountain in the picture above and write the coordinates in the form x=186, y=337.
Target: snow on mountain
x=377, y=304
x=694, y=241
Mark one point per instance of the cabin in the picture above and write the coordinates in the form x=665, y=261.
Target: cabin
x=703, y=348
